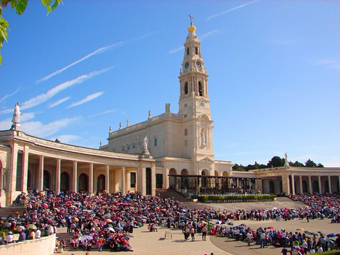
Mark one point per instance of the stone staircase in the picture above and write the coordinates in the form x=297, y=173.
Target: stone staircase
x=9, y=210
x=63, y=235
x=180, y=198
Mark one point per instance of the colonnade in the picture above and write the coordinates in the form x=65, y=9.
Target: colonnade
x=312, y=183
x=40, y=170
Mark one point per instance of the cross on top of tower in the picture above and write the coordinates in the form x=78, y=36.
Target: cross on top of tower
x=191, y=17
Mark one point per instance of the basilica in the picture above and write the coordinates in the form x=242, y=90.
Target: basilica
x=171, y=150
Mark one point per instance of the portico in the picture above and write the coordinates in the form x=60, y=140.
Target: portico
x=46, y=165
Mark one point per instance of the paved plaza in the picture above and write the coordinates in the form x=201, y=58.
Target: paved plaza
x=154, y=243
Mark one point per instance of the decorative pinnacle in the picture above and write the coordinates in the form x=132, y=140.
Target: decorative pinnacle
x=191, y=17
x=191, y=28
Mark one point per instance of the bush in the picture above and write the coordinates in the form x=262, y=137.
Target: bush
x=329, y=252
x=226, y=199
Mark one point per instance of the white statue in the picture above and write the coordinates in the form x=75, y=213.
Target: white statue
x=16, y=115
x=145, y=143
x=286, y=160
x=203, y=137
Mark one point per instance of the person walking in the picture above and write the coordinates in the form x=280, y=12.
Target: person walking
x=204, y=233
x=192, y=234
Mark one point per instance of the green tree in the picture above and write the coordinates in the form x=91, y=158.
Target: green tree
x=310, y=163
x=320, y=165
x=20, y=7
x=238, y=167
x=296, y=163
x=276, y=161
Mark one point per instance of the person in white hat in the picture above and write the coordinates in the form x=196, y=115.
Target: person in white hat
x=9, y=237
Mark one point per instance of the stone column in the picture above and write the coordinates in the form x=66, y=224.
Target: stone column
x=128, y=181
x=107, y=178
x=310, y=184
x=90, y=178
x=320, y=186
x=11, y=176
x=122, y=181
x=293, y=184
x=153, y=180
x=259, y=186
x=57, y=176
x=301, y=188
x=166, y=178
x=40, y=183
x=329, y=184
x=75, y=175
x=141, y=180
x=288, y=184
x=25, y=169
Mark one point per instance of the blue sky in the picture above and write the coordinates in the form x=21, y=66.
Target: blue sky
x=274, y=72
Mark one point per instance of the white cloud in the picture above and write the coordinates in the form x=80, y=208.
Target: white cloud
x=177, y=49
x=52, y=92
x=245, y=153
x=66, y=138
x=9, y=95
x=97, y=51
x=86, y=99
x=229, y=10
x=58, y=102
x=5, y=124
x=331, y=63
x=36, y=128
x=208, y=34
x=27, y=116
x=142, y=36
x=102, y=113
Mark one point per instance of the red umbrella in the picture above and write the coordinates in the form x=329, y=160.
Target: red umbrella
x=270, y=227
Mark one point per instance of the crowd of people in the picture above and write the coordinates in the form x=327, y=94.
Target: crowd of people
x=321, y=205
x=106, y=221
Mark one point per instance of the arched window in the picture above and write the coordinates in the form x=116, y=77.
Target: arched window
x=83, y=182
x=200, y=88
x=304, y=187
x=46, y=180
x=271, y=187
x=187, y=50
x=186, y=88
x=326, y=187
x=196, y=50
x=101, y=182
x=315, y=186
x=64, y=183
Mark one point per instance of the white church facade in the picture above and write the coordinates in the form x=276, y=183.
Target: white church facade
x=170, y=150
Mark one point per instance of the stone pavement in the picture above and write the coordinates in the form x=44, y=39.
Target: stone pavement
x=152, y=243
x=242, y=248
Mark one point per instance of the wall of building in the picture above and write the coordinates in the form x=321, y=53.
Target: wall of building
x=45, y=245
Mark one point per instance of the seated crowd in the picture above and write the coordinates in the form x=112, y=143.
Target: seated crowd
x=106, y=221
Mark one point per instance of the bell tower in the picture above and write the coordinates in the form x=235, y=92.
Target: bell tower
x=194, y=103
